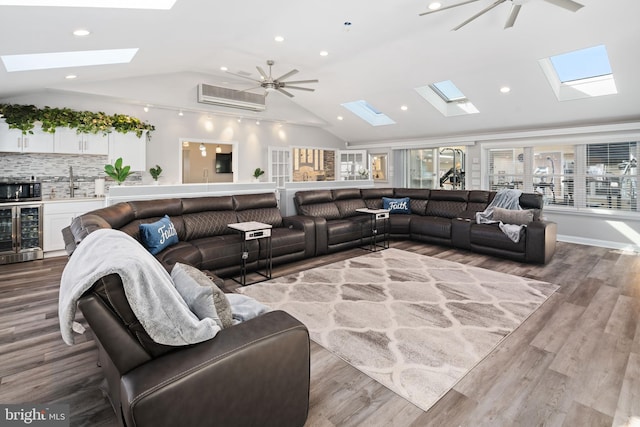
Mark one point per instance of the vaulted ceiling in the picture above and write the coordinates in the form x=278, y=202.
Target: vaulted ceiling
x=386, y=52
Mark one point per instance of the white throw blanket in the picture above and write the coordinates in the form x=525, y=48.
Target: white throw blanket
x=149, y=289
x=505, y=199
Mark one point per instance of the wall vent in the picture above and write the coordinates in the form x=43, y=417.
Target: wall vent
x=208, y=94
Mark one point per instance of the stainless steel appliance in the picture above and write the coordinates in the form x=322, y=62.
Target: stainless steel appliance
x=20, y=191
x=20, y=232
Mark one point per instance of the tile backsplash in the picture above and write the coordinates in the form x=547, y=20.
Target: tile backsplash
x=53, y=171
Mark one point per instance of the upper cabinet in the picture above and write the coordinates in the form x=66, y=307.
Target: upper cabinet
x=132, y=149
x=12, y=140
x=68, y=141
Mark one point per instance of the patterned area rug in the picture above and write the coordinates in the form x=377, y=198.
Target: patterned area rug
x=414, y=323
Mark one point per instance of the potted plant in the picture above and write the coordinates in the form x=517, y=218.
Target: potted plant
x=257, y=174
x=155, y=173
x=118, y=172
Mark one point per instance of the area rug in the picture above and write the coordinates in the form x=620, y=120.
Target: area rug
x=414, y=323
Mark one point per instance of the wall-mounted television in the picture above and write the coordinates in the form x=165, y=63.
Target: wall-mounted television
x=223, y=163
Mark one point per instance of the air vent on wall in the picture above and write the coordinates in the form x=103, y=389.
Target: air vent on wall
x=208, y=94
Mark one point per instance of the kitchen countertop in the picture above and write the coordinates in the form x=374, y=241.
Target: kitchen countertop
x=74, y=199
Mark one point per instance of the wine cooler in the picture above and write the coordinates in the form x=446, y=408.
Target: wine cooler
x=20, y=233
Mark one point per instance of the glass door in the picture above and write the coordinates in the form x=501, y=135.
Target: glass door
x=30, y=226
x=7, y=226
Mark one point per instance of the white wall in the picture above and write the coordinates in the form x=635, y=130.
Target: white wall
x=165, y=148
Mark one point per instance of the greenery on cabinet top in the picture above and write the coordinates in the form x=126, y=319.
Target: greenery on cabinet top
x=25, y=117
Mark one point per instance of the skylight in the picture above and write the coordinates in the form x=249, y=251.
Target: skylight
x=448, y=91
x=447, y=98
x=582, y=64
x=579, y=74
x=116, y=4
x=367, y=112
x=43, y=61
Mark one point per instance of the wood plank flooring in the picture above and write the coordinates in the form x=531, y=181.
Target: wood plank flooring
x=574, y=362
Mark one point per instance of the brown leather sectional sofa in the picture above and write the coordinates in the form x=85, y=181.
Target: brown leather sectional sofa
x=257, y=372
x=444, y=217
x=201, y=223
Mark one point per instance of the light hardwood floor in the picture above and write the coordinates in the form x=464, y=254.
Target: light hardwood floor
x=574, y=362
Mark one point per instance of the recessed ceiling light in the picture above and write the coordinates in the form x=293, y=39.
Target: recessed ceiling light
x=505, y=89
x=279, y=38
x=435, y=5
x=81, y=33
x=180, y=113
x=116, y=4
x=44, y=61
x=71, y=77
x=404, y=108
x=223, y=68
x=146, y=109
x=258, y=122
x=324, y=53
x=340, y=118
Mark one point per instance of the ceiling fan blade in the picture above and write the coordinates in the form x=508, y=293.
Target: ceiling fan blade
x=262, y=73
x=446, y=7
x=244, y=77
x=477, y=15
x=515, y=9
x=290, y=95
x=285, y=76
x=566, y=4
x=308, y=89
x=302, y=81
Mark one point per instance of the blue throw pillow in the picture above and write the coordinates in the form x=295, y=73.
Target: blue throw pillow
x=400, y=206
x=158, y=235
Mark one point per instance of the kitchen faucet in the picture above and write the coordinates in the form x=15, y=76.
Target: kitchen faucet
x=72, y=188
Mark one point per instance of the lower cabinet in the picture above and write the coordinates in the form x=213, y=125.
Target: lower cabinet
x=58, y=215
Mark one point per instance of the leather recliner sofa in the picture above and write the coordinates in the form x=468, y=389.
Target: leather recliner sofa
x=205, y=240
x=255, y=373
x=444, y=217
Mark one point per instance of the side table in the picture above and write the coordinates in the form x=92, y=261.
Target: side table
x=378, y=240
x=259, y=231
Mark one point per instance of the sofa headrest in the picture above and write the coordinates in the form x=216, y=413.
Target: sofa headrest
x=376, y=193
x=313, y=196
x=205, y=204
x=255, y=201
x=479, y=196
x=412, y=193
x=449, y=195
x=346, y=193
x=116, y=215
x=531, y=201
x=156, y=208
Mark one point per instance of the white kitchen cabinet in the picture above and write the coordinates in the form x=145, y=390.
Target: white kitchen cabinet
x=68, y=141
x=132, y=149
x=58, y=215
x=12, y=140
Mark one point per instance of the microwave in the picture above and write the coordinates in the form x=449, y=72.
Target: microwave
x=20, y=191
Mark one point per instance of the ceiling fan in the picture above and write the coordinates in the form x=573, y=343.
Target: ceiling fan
x=515, y=9
x=269, y=84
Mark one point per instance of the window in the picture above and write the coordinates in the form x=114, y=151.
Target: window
x=353, y=165
x=506, y=168
x=553, y=173
x=437, y=168
x=280, y=165
x=368, y=113
x=580, y=74
x=611, y=176
x=594, y=176
x=447, y=98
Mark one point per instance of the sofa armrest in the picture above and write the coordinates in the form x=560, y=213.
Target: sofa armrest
x=541, y=241
x=306, y=224
x=254, y=373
